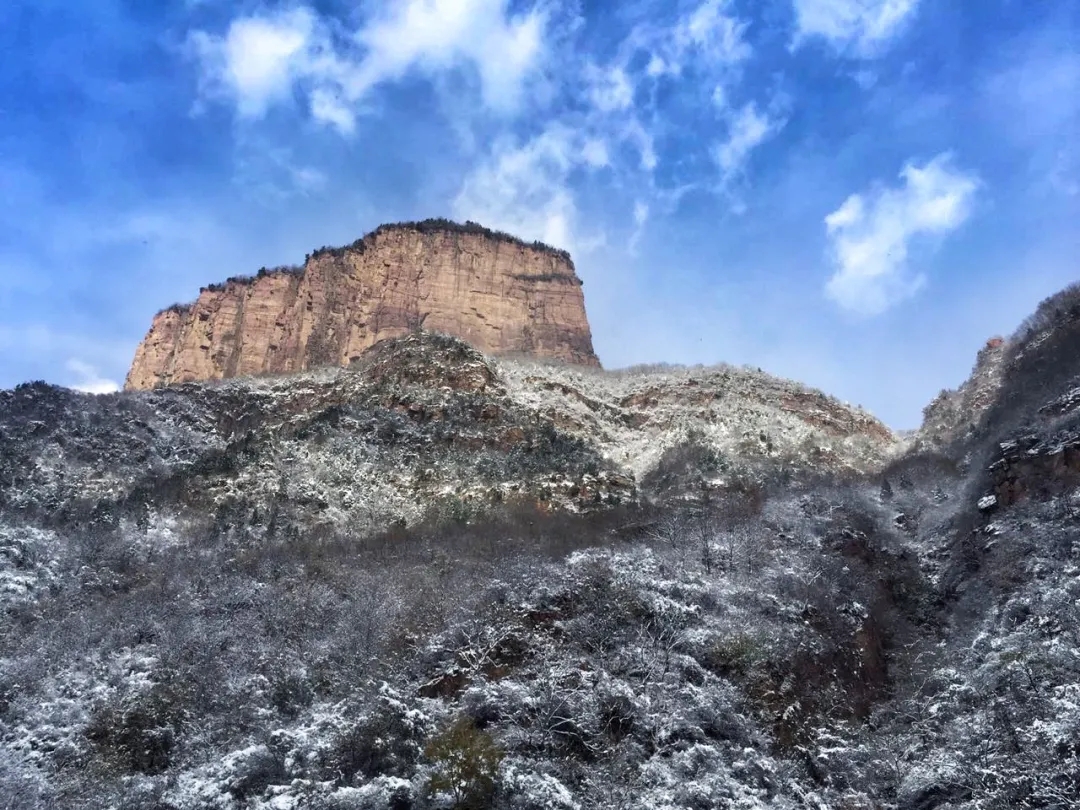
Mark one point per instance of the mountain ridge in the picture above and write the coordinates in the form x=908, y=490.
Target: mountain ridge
x=419, y=420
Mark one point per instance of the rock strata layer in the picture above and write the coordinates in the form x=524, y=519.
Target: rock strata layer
x=499, y=294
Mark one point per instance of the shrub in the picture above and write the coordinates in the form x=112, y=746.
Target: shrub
x=140, y=734
x=254, y=771
x=466, y=762
x=291, y=693
x=386, y=743
x=733, y=655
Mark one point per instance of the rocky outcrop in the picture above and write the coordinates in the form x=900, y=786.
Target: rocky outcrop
x=499, y=294
x=1026, y=394
x=954, y=413
x=1012, y=383
x=1036, y=467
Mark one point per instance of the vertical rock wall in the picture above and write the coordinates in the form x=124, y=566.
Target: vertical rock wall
x=495, y=292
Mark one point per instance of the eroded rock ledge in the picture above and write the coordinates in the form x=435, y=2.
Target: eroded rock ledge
x=498, y=293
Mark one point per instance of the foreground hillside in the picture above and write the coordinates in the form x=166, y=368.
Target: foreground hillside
x=420, y=425
x=433, y=580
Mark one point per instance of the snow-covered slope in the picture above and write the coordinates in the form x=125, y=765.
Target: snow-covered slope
x=435, y=580
x=420, y=424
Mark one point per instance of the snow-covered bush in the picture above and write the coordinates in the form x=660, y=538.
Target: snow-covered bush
x=522, y=787
x=386, y=741
x=138, y=734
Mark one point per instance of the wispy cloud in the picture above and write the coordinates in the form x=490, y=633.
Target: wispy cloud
x=266, y=59
x=871, y=232
x=520, y=177
x=610, y=118
x=524, y=188
x=259, y=59
x=858, y=27
x=708, y=41
x=609, y=89
x=641, y=217
x=1040, y=86
x=710, y=32
x=272, y=174
x=1033, y=100
x=748, y=128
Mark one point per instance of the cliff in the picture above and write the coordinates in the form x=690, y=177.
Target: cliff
x=953, y=414
x=1013, y=380
x=501, y=295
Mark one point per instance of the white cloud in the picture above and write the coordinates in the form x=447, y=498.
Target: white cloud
x=258, y=60
x=595, y=153
x=525, y=188
x=610, y=89
x=264, y=59
x=708, y=33
x=706, y=42
x=269, y=58
x=328, y=107
x=89, y=380
x=747, y=129
x=713, y=33
x=859, y=26
x=611, y=122
x=434, y=35
x=870, y=233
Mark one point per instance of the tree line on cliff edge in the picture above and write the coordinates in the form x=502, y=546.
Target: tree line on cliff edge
x=442, y=225
x=426, y=226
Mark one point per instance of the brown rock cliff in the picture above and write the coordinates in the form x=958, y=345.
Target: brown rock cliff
x=499, y=294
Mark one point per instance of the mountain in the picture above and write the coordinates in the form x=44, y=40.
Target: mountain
x=498, y=293
x=1018, y=414
x=417, y=424
x=430, y=577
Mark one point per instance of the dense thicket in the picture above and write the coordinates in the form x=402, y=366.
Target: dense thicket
x=783, y=650
x=190, y=622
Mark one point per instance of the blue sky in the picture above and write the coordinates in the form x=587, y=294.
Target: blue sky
x=853, y=193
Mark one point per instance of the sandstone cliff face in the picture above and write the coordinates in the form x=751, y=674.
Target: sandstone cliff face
x=497, y=293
